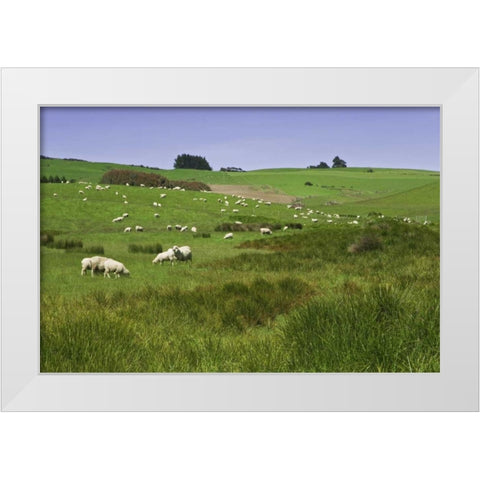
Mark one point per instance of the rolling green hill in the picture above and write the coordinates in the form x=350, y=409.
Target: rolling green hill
x=343, y=190
x=349, y=291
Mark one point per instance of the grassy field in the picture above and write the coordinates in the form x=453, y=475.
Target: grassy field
x=333, y=296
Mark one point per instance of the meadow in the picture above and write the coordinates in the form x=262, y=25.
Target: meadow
x=332, y=296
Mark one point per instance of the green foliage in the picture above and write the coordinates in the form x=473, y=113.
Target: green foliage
x=133, y=178
x=153, y=248
x=337, y=162
x=195, y=162
x=253, y=308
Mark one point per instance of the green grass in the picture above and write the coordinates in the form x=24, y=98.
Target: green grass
x=296, y=301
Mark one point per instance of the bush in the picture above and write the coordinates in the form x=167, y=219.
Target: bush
x=308, y=184
x=121, y=177
x=152, y=248
x=365, y=244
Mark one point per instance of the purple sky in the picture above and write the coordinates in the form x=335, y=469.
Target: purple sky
x=245, y=137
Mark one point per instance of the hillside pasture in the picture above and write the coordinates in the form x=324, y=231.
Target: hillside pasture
x=300, y=300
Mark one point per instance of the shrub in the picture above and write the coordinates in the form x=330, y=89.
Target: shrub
x=308, y=184
x=152, y=248
x=132, y=177
x=365, y=244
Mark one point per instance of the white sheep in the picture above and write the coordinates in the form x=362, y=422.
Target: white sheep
x=156, y=215
x=118, y=219
x=194, y=229
x=125, y=215
x=163, y=256
x=85, y=199
x=228, y=236
x=114, y=267
x=138, y=228
x=184, y=229
x=265, y=231
x=127, y=229
x=98, y=263
x=169, y=227
x=183, y=254
x=86, y=265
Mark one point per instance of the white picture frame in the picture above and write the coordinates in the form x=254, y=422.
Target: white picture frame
x=454, y=90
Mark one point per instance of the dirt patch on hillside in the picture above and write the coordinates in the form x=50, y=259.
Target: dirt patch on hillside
x=248, y=191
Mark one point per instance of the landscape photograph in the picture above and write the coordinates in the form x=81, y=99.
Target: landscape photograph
x=239, y=239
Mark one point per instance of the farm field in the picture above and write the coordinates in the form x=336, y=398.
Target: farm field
x=356, y=291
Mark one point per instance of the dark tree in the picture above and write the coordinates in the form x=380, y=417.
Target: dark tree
x=338, y=163
x=323, y=165
x=191, y=161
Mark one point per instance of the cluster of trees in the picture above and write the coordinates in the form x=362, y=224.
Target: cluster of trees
x=132, y=177
x=54, y=179
x=337, y=162
x=191, y=161
x=231, y=169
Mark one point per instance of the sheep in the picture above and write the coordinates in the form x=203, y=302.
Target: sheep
x=235, y=210
x=85, y=199
x=138, y=228
x=228, y=236
x=86, y=265
x=81, y=192
x=127, y=229
x=118, y=219
x=265, y=231
x=115, y=267
x=285, y=227
x=178, y=227
x=98, y=263
x=156, y=215
x=183, y=254
x=169, y=227
x=184, y=229
x=168, y=255
x=194, y=229
x=125, y=215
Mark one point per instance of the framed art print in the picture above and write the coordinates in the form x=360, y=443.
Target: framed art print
x=240, y=239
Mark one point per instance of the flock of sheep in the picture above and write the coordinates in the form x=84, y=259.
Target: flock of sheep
x=108, y=265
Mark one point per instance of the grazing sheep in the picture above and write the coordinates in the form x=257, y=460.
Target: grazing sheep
x=163, y=256
x=85, y=199
x=285, y=227
x=98, y=263
x=138, y=228
x=169, y=227
x=178, y=227
x=184, y=229
x=86, y=265
x=118, y=219
x=114, y=267
x=235, y=210
x=194, y=229
x=228, y=236
x=156, y=215
x=128, y=229
x=81, y=192
x=163, y=195
x=125, y=215
x=265, y=231
x=183, y=254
